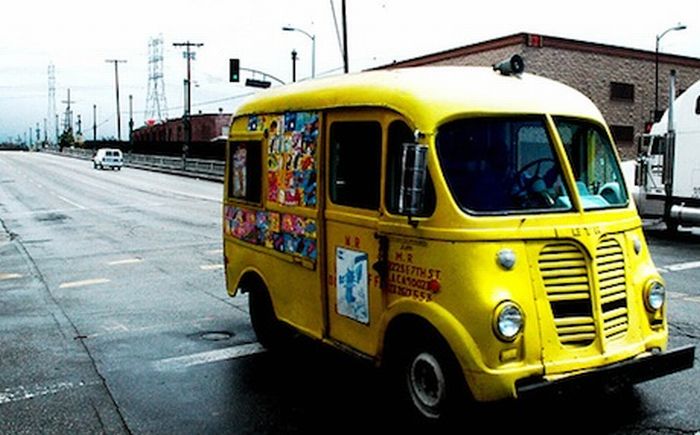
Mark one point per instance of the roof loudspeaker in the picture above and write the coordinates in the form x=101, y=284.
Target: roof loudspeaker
x=513, y=65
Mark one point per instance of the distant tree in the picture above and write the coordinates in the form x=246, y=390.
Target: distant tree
x=66, y=139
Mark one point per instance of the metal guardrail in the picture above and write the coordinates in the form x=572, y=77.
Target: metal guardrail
x=177, y=165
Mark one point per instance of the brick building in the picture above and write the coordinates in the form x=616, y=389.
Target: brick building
x=619, y=80
x=205, y=127
x=209, y=134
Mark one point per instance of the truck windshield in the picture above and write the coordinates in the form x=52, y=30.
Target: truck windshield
x=599, y=180
x=501, y=165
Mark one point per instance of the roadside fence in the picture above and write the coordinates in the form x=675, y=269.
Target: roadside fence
x=200, y=168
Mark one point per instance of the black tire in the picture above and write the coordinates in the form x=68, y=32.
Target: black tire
x=672, y=226
x=430, y=380
x=269, y=330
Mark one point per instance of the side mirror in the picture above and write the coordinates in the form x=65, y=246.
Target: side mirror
x=414, y=172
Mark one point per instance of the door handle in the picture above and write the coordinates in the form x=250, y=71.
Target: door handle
x=381, y=266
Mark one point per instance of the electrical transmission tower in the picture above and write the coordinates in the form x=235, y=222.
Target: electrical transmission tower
x=51, y=112
x=156, y=106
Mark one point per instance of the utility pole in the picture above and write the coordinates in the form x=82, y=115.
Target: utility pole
x=294, y=65
x=116, y=85
x=131, y=121
x=68, y=121
x=51, y=113
x=346, y=67
x=67, y=137
x=189, y=55
x=94, y=124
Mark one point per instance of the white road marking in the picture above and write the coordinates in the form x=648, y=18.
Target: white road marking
x=211, y=266
x=4, y=276
x=676, y=295
x=83, y=283
x=125, y=261
x=73, y=203
x=680, y=266
x=182, y=362
x=216, y=199
x=115, y=327
x=9, y=395
x=215, y=252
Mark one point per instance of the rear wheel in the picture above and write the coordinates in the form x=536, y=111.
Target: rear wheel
x=269, y=330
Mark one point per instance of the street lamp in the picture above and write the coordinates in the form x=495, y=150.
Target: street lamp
x=313, y=46
x=678, y=26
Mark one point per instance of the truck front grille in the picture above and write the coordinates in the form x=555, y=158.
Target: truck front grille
x=565, y=276
x=569, y=288
x=610, y=263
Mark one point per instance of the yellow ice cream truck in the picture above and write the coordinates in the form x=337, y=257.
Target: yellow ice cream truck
x=467, y=228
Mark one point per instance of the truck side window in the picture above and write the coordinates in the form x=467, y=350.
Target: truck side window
x=400, y=133
x=245, y=171
x=355, y=153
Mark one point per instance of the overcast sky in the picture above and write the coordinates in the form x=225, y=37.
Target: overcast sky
x=77, y=36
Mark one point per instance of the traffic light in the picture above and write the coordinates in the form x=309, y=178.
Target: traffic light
x=234, y=70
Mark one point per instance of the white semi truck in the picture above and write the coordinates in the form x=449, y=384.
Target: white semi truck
x=668, y=164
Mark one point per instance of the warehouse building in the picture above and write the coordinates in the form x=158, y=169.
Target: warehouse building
x=620, y=81
x=209, y=134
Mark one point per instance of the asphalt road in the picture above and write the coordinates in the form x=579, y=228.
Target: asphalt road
x=114, y=319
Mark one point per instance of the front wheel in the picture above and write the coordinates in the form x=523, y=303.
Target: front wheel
x=426, y=384
x=431, y=382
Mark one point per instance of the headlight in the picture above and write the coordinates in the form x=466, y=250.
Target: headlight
x=655, y=296
x=508, y=321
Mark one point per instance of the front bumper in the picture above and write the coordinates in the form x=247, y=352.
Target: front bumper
x=627, y=372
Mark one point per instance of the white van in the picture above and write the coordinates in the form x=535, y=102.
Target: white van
x=108, y=158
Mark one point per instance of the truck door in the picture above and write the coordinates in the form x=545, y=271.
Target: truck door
x=354, y=299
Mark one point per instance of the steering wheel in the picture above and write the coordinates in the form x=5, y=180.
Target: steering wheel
x=529, y=182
